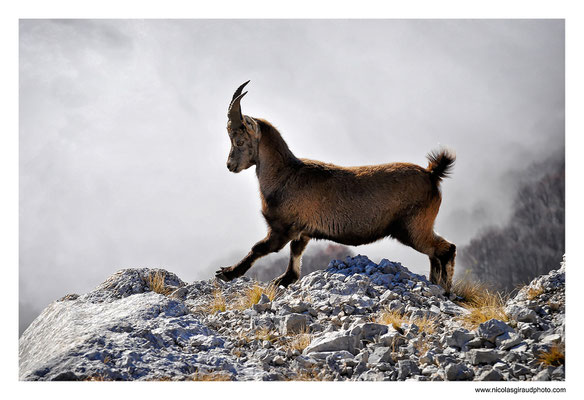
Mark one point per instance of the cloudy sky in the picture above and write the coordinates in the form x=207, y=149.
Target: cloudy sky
x=123, y=143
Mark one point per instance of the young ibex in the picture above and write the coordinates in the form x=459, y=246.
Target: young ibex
x=306, y=199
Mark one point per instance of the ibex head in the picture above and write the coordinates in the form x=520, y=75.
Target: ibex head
x=244, y=134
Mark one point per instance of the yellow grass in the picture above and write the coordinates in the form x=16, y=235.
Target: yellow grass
x=259, y=334
x=472, y=293
x=211, y=376
x=299, y=341
x=555, y=356
x=156, y=283
x=240, y=301
x=426, y=324
x=217, y=302
x=253, y=294
x=422, y=344
x=532, y=293
x=265, y=334
x=393, y=318
x=482, y=302
x=95, y=378
x=311, y=374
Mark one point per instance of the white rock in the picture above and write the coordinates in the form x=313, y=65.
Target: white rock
x=507, y=340
x=335, y=341
x=450, y=308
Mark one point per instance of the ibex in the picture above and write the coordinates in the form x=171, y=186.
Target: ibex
x=305, y=199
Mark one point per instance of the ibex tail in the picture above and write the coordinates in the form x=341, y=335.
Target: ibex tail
x=440, y=164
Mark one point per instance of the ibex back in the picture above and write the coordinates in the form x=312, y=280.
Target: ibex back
x=305, y=199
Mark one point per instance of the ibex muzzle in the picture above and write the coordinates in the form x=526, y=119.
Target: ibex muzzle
x=305, y=199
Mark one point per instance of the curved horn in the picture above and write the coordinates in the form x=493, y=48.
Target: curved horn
x=234, y=113
x=238, y=91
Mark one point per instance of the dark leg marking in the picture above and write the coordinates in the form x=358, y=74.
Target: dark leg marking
x=271, y=243
x=292, y=273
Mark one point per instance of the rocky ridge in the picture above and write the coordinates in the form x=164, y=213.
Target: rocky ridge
x=356, y=320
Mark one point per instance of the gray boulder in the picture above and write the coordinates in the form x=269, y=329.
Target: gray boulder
x=507, y=340
x=407, y=368
x=369, y=331
x=458, y=338
x=492, y=328
x=458, y=372
x=293, y=323
x=448, y=307
x=483, y=356
x=491, y=375
x=334, y=341
x=380, y=355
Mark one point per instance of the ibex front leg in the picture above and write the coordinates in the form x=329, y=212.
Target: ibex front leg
x=271, y=243
x=292, y=273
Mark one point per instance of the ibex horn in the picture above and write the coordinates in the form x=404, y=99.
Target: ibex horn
x=238, y=91
x=234, y=113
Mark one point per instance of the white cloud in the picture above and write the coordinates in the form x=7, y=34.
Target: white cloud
x=123, y=143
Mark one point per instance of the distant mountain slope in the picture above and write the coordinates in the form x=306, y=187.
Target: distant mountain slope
x=533, y=241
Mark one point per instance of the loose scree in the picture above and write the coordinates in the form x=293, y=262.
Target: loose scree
x=306, y=199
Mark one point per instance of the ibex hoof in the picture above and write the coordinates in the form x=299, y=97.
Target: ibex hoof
x=225, y=274
x=283, y=280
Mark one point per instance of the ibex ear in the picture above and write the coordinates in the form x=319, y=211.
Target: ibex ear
x=252, y=126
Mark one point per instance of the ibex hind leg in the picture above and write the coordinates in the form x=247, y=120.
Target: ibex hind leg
x=292, y=273
x=442, y=263
x=418, y=233
x=435, y=270
x=447, y=258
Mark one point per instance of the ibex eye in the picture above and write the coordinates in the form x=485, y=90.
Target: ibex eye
x=240, y=143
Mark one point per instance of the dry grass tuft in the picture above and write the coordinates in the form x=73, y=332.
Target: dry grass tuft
x=555, y=356
x=211, y=376
x=389, y=317
x=296, y=341
x=252, y=295
x=482, y=302
x=312, y=374
x=422, y=344
x=240, y=301
x=478, y=315
x=217, y=303
x=161, y=379
x=470, y=292
x=426, y=324
x=95, y=378
x=266, y=334
x=262, y=333
x=532, y=292
x=300, y=341
x=156, y=283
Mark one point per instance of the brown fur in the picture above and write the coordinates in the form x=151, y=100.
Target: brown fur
x=305, y=199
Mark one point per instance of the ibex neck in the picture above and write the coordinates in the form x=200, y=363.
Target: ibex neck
x=274, y=157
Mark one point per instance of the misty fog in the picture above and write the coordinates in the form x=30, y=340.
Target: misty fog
x=123, y=142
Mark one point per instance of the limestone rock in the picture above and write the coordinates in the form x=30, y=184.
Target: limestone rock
x=327, y=326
